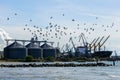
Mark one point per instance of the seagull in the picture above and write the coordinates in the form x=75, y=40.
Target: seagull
x=30, y=20
x=112, y=24
x=25, y=24
x=51, y=37
x=116, y=30
x=96, y=17
x=15, y=13
x=73, y=20
x=34, y=26
x=47, y=27
x=95, y=24
x=8, y=18
x=50, y=23
x=51, y=17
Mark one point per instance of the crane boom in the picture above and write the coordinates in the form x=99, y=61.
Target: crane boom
x=92, y=41
x=104, y=41
x=82, y=36
x=72, y=43
x=100, y=45
x=95, y=42
x=100, y=41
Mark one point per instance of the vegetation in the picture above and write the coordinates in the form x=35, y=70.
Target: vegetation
x=51, y=59
x=28, y=58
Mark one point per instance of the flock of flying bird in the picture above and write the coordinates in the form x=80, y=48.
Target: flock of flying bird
x=55, y=31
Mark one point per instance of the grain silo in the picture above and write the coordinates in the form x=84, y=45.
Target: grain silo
x=48, y=51
x=15, y=51
x=34, y=50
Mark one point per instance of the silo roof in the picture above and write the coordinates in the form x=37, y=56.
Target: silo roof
x=33, y=45
x=15, y=45
x=46, y=46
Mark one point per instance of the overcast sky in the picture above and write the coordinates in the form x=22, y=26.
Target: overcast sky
x=107, y=13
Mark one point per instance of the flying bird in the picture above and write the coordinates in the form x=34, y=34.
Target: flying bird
x=96, y=17
x=25, y=24
x=15, y=14
x=8, y=18
x=116, y=30
x=30, y=20
x=51, y=17
x=73, y=19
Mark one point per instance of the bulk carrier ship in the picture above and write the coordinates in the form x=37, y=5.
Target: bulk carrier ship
x=92, y=49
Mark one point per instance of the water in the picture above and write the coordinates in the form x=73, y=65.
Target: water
x=61, y=73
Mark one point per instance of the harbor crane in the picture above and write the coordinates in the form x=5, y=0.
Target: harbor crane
x=92, y=44
x=101, y=44
x=82, y=37
x=95, y=46
x=72, y=43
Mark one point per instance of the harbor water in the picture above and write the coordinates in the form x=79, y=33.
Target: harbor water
x=61, y=73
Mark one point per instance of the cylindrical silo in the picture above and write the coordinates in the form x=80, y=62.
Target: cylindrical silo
x=34, y=50
x=15, y=51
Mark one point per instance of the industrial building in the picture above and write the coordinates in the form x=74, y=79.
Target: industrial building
x=33, y=48
x=48, y=51
x=15, y=51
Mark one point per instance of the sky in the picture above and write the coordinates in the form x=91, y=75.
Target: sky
x=88, y=12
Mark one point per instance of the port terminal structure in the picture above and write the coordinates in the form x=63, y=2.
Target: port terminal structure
x=25, y=41
x=91, y=49
x=33, y=47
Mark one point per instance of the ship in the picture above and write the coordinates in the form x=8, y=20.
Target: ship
x=92, y=49
x=102, y=54
x=98, y=52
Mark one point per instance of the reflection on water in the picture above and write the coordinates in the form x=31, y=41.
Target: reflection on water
x=61, y=73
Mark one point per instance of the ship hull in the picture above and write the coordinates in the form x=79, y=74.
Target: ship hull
x=102, y=54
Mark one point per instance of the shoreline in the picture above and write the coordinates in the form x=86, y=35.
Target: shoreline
x=57, y=64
